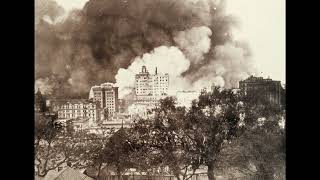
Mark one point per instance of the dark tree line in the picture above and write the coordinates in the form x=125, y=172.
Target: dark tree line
x=222, y=131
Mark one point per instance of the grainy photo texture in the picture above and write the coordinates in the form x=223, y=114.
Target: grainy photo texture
x=159, y=90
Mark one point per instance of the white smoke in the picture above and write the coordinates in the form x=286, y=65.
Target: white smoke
x=194, y=42
x=167, y=59
x=231, y=64
x=44, y=85
x=77, y=80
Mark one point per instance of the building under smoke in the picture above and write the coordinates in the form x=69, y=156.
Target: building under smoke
x=263, y=90
x=107, y=95
x=150, y=88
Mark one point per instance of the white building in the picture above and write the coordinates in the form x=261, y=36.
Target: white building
x=107, y=95
x=150, y=88
x=185, y=98
x=140, y=110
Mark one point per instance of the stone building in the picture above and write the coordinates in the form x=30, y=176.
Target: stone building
x=263, y=90
x=79, y=109
x=107, y=95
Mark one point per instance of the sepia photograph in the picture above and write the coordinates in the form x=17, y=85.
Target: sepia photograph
x=159, y=90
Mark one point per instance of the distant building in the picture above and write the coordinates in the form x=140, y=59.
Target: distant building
x=40, y=102
x=79, y=109
x=107, y=95
x=263, y=89
x=116, y=125
x=185, y=98
x=122, y=105
x=141, y=110
x=150, y=88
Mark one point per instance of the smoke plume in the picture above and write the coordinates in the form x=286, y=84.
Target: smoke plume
x=167, y=59
x=108, y=39
x=194, y=42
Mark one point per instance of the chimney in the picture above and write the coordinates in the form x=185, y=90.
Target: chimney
x=144, y=69
x=156, y=71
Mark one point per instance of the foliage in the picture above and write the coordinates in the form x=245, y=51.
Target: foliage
x=116, y=152
x=55, y=146
x=213, y=121
x=222, y=130
x=260, y=149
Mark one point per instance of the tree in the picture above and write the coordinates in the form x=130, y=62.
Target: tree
x=55, y=146
x=116, y=152
x=260, y=148
x=212, y=121
x=161, y=142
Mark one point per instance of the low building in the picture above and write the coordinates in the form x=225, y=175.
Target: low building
x=185, y=98
x=115, y=125
x=142, y=110
x=79, y=109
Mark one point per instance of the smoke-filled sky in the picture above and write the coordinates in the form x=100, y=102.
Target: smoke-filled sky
x=208, y=41
x=262, y=24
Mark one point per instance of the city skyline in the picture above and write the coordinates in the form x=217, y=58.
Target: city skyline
x=159, y=89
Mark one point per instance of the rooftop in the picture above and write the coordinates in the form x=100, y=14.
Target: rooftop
x=71, y=101
x=103, y=85
x=71, y=174
x=258, y=79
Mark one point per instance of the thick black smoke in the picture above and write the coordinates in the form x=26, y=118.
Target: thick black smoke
x=90, y=45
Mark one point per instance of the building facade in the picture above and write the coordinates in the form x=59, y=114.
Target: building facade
x=107, y=95
x=141, y=110
x=79, y=109
x=262, y=89
x=150, y=88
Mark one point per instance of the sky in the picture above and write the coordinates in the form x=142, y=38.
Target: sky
x=262, y=25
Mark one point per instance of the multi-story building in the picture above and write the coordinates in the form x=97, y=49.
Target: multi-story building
x=107, y=95
x=150, y=88
x=79, y=109
x=262, y=89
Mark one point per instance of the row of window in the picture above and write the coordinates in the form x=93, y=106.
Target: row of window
x=77, y=110
x=76, y=107
x=75, y=115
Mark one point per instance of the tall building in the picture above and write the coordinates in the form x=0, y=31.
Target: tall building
x=107, y=95
x=150, y=88
x=79, y=109
x=263, y=89
x=40, y=102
